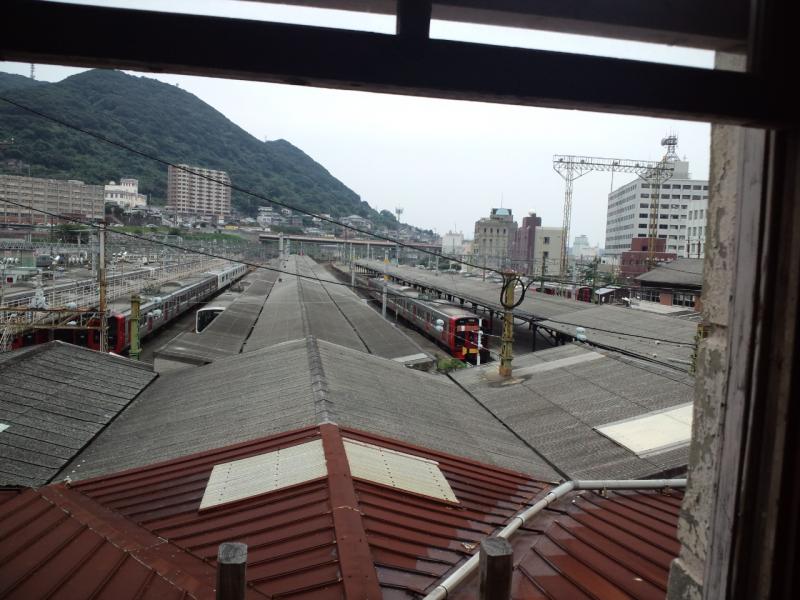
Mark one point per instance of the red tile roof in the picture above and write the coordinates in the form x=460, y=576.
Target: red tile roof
x=332, y=537
x=44, y=550
x=588, y=546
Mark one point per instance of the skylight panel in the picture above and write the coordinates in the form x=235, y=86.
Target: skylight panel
x=398, y=470
x=653, y=432
x=255, y=475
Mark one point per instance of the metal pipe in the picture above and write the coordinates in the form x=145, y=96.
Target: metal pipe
x=458, y=576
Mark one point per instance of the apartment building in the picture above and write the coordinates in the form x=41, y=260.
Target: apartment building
x=628, y=215
x=198, y=192
x=70, y=198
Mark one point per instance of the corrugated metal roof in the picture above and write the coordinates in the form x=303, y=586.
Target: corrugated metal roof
x=298, y=384
x=590, y=547
x=55, y=399
x=556, y=398
x=49, y=551
x=228, y=332
x=294, y=535
x=299, y=306
x=140, y=533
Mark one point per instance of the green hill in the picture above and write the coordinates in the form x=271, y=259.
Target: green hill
x=165, y=121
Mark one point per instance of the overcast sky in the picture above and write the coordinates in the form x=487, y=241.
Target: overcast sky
x=447, y=163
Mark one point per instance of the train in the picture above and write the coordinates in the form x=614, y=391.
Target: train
x=583, y=293
x=154, y=313
x=449, y=325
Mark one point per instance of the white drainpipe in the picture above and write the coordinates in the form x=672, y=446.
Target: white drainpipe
x=458, y=576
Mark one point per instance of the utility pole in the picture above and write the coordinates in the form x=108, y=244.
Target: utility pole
x=544, y=270
x=385, y=280
x=594, y=278
x=507, y=340
x=136, y=350
x=352, y=267
x=101, y=278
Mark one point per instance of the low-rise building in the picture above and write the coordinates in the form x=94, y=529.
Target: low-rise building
x=548, y=245
x=358, y=222
x=71, y=198
x=675, y=283
x=634, y=262
x=125, y=194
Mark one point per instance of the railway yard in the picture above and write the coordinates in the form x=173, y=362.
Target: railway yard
x=297, y=362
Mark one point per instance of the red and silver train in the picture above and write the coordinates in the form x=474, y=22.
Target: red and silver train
x=448, y=324
x=154, y=314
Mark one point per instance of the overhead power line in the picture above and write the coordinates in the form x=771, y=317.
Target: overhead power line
x=260, y=197
x=231, y=186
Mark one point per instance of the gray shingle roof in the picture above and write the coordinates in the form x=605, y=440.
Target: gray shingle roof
x=56, y=398
x=556, y=407
x=293, y=385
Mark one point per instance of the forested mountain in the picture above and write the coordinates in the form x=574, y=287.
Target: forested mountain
x=165, y=121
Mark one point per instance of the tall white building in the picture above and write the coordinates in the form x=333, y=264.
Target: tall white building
x=125, y=194
x=628, y=214
x=452, y=242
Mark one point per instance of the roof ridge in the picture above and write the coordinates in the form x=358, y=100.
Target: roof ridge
x=356, y=563
x=323, y=406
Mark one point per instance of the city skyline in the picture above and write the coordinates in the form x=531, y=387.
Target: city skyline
x=447, y=163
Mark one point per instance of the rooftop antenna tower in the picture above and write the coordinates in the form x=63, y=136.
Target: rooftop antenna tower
x=670, y=142
x=399, y=212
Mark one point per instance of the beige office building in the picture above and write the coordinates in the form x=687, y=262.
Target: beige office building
x=70, y=198
x=199, y=193
x=494, y=238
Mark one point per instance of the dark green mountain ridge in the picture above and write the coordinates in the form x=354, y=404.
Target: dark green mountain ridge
x=164, y=121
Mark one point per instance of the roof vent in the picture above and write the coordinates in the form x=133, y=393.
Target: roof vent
x=398, y=470
x=263, y=473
